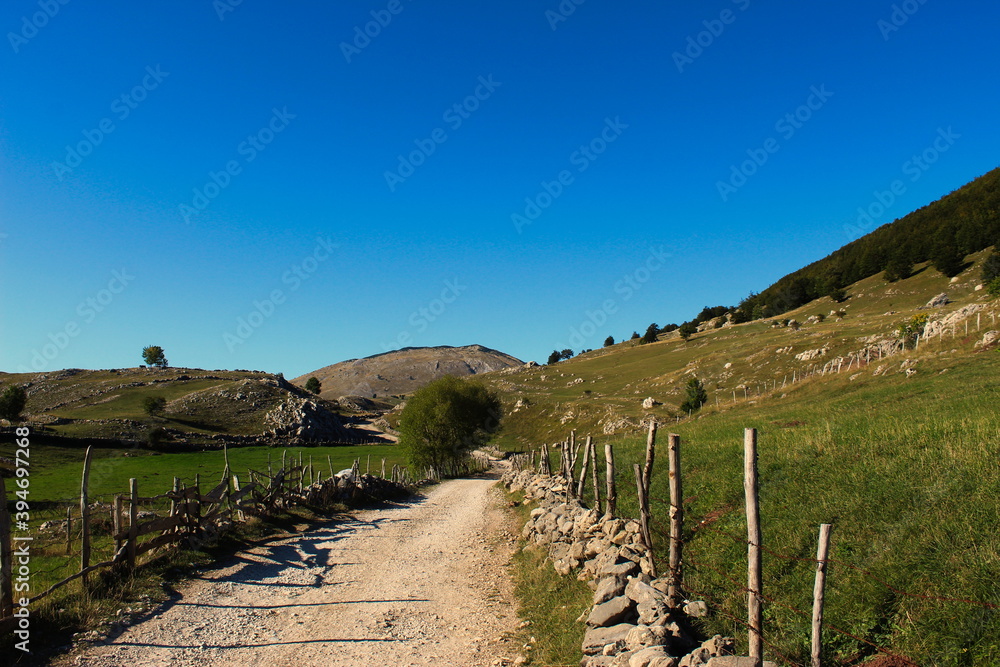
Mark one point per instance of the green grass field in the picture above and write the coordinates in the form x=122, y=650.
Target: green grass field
x=903, y=467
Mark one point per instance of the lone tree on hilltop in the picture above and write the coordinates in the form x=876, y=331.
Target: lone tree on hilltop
x=609, y=341
x=153, y=356
x=566, y=354
x=12, y=402
x=687, y=330
x=313, y=385
x=652, y=331
x=554, y=357
x=695, y=396
x=444, y=421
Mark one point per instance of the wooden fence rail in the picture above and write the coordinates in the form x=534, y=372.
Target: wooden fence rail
x=192, y=517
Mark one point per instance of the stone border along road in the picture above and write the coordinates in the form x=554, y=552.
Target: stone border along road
x=423, y=582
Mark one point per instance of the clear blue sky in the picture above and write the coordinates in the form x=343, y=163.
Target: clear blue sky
x=113, y=114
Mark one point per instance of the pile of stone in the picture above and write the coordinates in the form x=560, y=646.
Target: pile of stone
x=631, y=623
x=344, y=488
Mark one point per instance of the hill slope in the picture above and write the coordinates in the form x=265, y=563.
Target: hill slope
x=201, y=407
x=406, y=370
x=893, y=450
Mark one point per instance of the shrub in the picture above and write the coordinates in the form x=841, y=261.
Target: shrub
x=688, y=329
x=12, y=402
x=313, y=385
x=153, y=405
x=445, y=420
x=991, y=267
x=695, y=396
x=609, y=341
x=993, y=288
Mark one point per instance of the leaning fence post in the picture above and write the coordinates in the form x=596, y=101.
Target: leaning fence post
x=85, y=514
x=583, y=469
x=609, y=457
x=133, y=521
x=754, y=604
x=6, y=558
x=647, y=470
x=594, y=476
x=676, y=521
x=644, y=517
x=817, y=620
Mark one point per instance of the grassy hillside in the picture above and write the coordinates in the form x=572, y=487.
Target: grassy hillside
x=200, y=404
x=900, y=464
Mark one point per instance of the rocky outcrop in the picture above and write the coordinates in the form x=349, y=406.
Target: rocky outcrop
x=306, y=420
x=809, y=355
x=631, y=623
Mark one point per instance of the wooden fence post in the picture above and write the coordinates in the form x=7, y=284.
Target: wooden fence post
x=676, y=522
x=6, y=558
x=239, y=513
x=175, y=504
x=644, y=517
x=817, y=620
x=647, y=471
x=69, y=531
x=133, y=521
x=329, y=462
x=196, y=524
x=383, y=468
x=595, y=477
x=583, y=469
x=755, y=607
x=85, y=514
x=117, y=524
x=609, y=457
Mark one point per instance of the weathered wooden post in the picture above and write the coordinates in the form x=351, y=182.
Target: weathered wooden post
x=175, y=506
x=329, y=462
x=594, y=476
x=644, y=517
x=116, y=524
x=609, y=458
x=818, y=591
x=647, y=470
x=6, y=558
x=755, y=607
x=69, y=531
x=133, y=521
x=676, y=521
x=85, y=514
x=583, y=469
x=236, y=487
x=196, y=524
x=383, y=468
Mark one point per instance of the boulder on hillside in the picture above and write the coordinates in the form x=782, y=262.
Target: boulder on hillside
x=938, y=301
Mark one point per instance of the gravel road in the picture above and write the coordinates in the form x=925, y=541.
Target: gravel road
x=418, y=583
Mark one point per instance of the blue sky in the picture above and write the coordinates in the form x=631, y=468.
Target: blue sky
x=264, y=185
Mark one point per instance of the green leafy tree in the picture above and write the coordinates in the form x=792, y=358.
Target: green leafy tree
x=444, y=421
x=695, y=396
x=153, y=356
x=946, y=256
x=554, y=358
x=652, y=331
x=837, y=294
x=12, y=402
x=153, y=405
x=898, y=268
x=993, y=287
x=566, y=354
x=687, y=330
x=609, y=341
x=991, y=267
x=313, y=385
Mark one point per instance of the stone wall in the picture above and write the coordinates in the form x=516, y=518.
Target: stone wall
x=630, y=623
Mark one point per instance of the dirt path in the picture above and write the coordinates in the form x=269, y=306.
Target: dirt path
x=420, y=583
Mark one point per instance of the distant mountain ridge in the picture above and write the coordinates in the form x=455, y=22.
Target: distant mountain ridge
x=405, y=370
